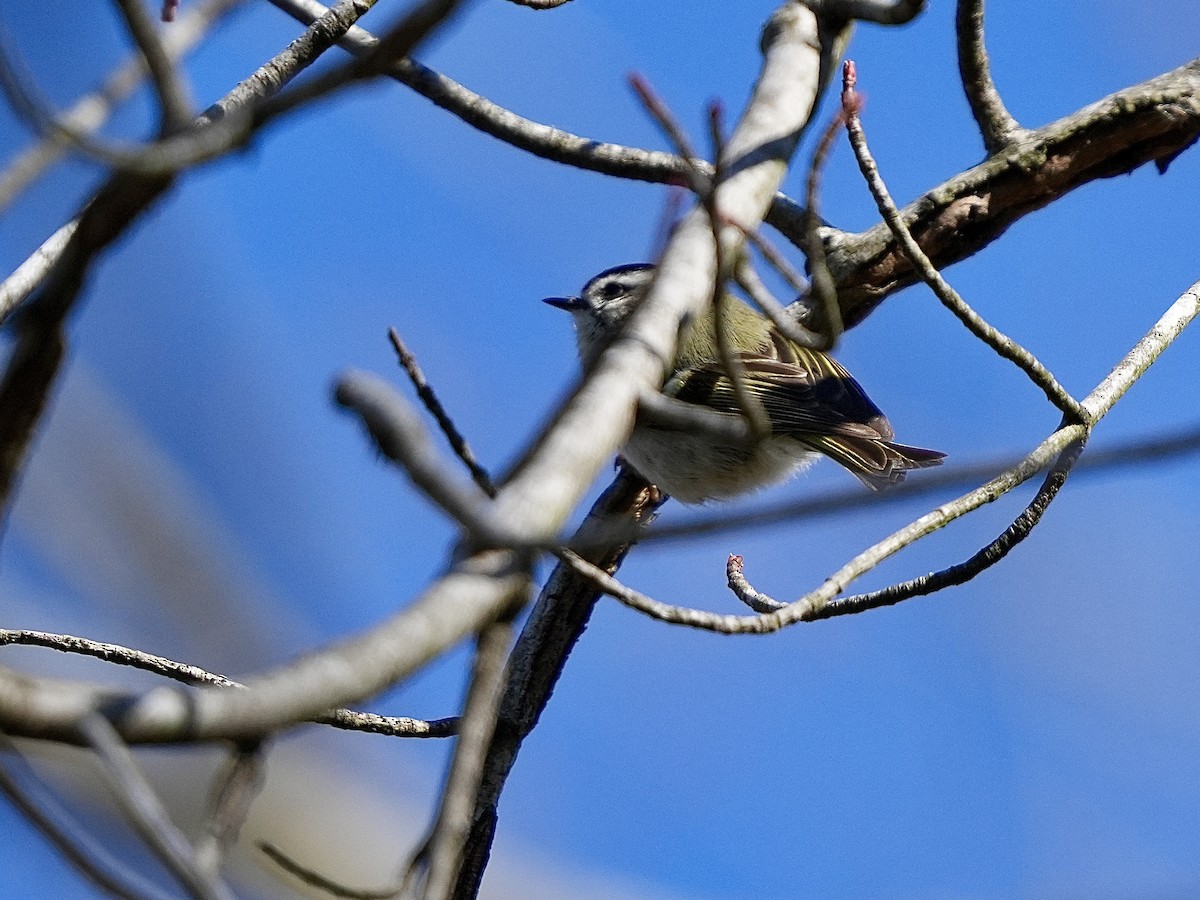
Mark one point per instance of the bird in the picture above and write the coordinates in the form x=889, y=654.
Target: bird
x=812, y=405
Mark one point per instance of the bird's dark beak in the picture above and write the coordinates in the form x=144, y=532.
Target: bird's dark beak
x=570, y=304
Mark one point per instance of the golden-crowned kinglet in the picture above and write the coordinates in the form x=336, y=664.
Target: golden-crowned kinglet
x=812, y=404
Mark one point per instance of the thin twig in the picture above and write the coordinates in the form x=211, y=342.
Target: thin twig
x=345, y=719
x=985, y=558
x=996, y=124
x=698, y=179
x=322, y=883
x=400, y=435
x=706, y=190
x=168, y=81
x=234, y=790
x=785, y=323
x=145, y=812
x=1005, y=346
x=457, y=442
x=777, y=260
x=746, y=592
x=822, y=289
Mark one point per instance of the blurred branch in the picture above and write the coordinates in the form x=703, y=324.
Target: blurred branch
x=1005, y=346
x=89, y=112
x=226, y=126
x=145, y=812
x=326, y=885
x=540, y=4
x=173, y=96
x=234, y=790
x=41, y=337
x=881, y=12
x=442, y=854
x=34, y=800
x=822, y=291
x=997, y=126
x=1153, y=448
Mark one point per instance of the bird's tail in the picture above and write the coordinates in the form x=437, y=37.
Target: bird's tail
x=876, y=463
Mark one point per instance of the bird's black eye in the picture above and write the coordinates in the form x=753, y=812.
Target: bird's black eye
x=613, y=290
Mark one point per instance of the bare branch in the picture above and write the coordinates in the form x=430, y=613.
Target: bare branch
x=90, y=111
x=744, y=591
x=168, y=82
x=38, y=804
x=401, y=436
x=28, y=275
x=145, y=813
x=34, y=362
x=540, y=4
x=234, y=789
x=116, y=654
x=1151, y=122
x=458, y=443
x=389, y=726
x=346, y=719
x=975, y=323
x=443, y=852
x=983, y=559
x=555, y=624
x=997, y=126
x=822, y=290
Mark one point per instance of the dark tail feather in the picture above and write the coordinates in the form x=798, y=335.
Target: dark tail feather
x=876, y=463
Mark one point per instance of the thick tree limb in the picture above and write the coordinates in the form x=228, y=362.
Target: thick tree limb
x=1151, y=122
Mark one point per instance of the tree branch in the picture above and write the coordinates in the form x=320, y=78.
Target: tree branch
x=145, y=812
x=1005, y=346
x=1151, y=122
x=997, y=126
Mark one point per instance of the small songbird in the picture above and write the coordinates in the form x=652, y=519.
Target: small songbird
x=812, y=405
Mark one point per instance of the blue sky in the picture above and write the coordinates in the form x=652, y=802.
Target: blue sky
x=1031, y=734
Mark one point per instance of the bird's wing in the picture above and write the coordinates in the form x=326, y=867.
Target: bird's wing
x=806, y=394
